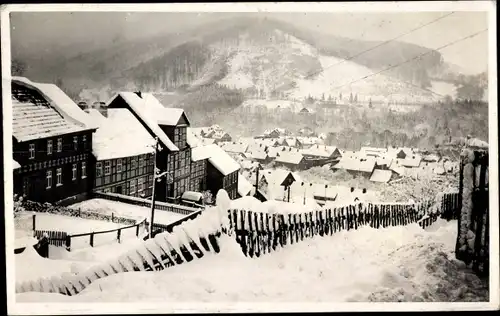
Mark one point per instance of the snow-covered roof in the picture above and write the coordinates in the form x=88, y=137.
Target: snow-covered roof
x=475, y=142
x=383, y=160
x=200, y=153
x=291, y=141
x=381, y=175
x=319, y=151
x=372, y=151
x=191, y=139
x=59, y=100
x=409, y=161
x=269, y=142
x=277, y=176
x=244, y=186
x=35, y=115
x=234, y=147
x=192, y=196
x=146, y=113
x=309, y=140
x=120, y=135
x=217, y=158
x=356, y=164
x=431, y=157
x=15, y=165
x=289, y=157
x=258, y=154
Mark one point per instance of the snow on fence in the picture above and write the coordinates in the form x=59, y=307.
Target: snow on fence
x=134, y=228
x=161, y=228
x=105, y=236
x=256, y=232
x=260, y=233
x=187, y=242
x=180, y=209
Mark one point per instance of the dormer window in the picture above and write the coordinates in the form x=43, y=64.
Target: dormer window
x=59, y=145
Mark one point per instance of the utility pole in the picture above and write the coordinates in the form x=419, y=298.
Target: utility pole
x=153, y=198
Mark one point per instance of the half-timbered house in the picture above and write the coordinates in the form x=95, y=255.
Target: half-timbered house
x=52, y=143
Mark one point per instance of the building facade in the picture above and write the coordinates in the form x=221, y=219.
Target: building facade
x=131, y=176
x=50, y=142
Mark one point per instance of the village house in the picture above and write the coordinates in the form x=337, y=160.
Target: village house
x=383, y=176
x=122, y=169
x=321, y=154
x=290, y=159
x=51, y=142
x=167, y=124
x=234, y=147
x=259, y=156
x=357, y=166
x=307, y=142
x=221, y=170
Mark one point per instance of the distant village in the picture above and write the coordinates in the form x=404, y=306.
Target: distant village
x=64, y=151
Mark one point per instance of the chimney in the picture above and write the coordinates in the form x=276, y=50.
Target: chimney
x=139, y=94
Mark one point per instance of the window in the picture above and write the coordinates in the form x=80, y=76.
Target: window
x=140, y=184
x=75, y=142
x=32, y=151
x=84, y=169
x=59, y=145
x=141, y=161
x=58, y=176
x=134, y=163
x=118, y=165
x=49, y=179
x=107, y=168
x=107, y=190
x=150, y=181
x=49, y=147
x=132, y=187
x=84, y=141
x=98, y=169
x=74, y=171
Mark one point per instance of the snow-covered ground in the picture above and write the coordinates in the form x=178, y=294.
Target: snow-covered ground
x=72, y=225
x=390, y=264
x=127, y=210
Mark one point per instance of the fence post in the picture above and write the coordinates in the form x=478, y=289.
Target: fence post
x=34, y=222
x=112, y=217
x=68, y=242
x=137, y=230
x=118, y=235
x=92, y=239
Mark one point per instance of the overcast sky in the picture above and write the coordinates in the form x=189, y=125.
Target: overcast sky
x=36, y=32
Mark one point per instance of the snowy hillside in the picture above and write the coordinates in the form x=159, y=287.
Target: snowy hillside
x=286, y=66
x=338, y=74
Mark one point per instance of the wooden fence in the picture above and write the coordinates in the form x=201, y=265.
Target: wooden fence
x=180, y=209
x=472, y=244
x=260, y=233
x=91, y=235
x=55, y=238
x=161, y=228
